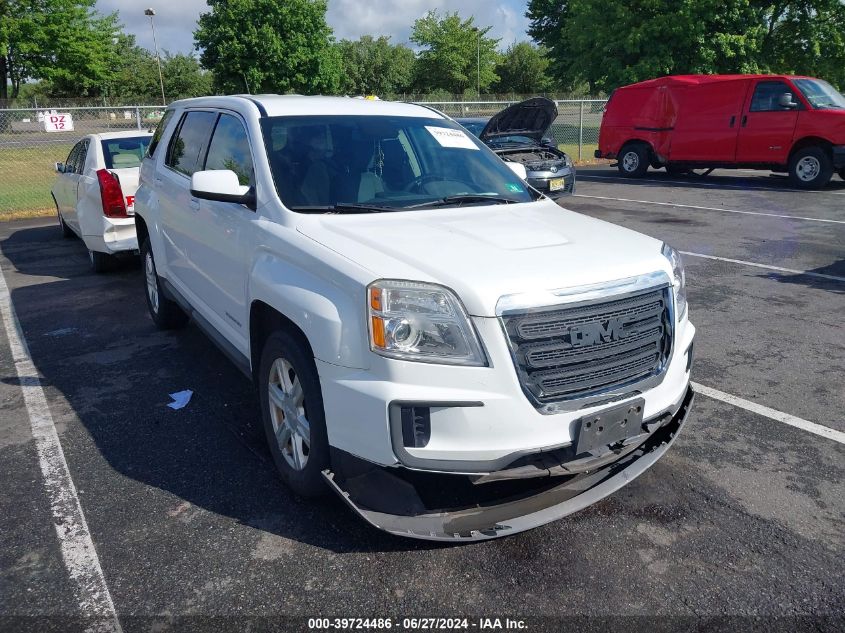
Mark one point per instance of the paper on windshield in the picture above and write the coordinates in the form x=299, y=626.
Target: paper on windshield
x=448, y=137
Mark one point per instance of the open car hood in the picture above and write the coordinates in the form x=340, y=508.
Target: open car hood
x=532, y=118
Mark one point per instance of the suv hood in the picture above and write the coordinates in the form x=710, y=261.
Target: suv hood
x=532, y=118
x=486, y=252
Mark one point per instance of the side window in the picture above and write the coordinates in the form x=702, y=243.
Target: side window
x=229, y=149
x=151, y=148
x=72, y=158
x=83, y=155
x=187, y=149
x=767, y=96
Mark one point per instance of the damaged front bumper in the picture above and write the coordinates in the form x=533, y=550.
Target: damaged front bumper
x=400, y=511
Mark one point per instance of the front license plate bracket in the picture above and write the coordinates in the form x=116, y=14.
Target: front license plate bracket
x=609, y=426
x=556, y=184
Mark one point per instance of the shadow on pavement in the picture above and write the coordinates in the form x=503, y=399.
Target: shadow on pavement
x=92, y=341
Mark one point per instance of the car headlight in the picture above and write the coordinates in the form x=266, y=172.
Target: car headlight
x=422, y=322
x=679, y=280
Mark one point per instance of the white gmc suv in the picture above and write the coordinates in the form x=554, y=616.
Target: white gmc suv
x=454, y=354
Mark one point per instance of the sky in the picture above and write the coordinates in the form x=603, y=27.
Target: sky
x=176, y=20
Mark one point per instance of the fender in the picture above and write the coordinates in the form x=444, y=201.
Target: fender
x=331, y=317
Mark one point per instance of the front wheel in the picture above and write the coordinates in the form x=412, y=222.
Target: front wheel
x=810, y=168
x=633, y=160
x=166, y=314
x=292, y=413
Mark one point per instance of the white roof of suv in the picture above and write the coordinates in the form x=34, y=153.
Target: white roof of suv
x=293, y=105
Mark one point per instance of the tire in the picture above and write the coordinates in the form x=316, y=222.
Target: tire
x=67, y=232
x=634, y=160
x=100, y=262
x=166, y=314
x=289, y=389
x=810, y=168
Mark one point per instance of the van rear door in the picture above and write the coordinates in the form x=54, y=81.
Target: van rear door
x=708, y=122
x=767, y=126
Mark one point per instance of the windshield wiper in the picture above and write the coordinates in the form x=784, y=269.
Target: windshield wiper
x=341, y=207
x=459, y=198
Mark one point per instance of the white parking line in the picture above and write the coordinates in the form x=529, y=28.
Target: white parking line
x=772, y=414
x=78, y=552
x=698, y=208
x=587, y=176
x=779, y=269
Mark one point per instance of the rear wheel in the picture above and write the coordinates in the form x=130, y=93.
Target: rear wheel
x=810, y=168
x=166, y=314
x=633, y=160
x=292, y=413
x=66, y=230
x=100, y=262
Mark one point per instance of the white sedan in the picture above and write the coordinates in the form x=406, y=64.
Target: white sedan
x=95, y=193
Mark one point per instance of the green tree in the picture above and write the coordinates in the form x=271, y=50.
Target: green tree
x=523, y=69
x=375, y=66
x=65, y=42
x=455, y=54
x=269, y=46
x=615, y=42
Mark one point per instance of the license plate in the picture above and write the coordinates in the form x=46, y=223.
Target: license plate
x=556, y=184
x=610, y=426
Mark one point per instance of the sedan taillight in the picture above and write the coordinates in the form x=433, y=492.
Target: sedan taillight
x=111, y=194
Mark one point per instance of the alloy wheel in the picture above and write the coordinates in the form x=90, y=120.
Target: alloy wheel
x=287, y=414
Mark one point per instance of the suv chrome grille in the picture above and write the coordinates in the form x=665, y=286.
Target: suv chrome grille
x=586, y=349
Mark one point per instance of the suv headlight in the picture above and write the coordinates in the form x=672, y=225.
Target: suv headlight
x=422, y=322
x=679, y=280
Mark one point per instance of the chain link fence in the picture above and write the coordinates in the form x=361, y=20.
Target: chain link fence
x=33, y=139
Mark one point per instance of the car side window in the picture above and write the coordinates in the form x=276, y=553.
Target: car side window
x=229, y=149
x=187, y=149
x=72, y=158
x=151, y=148
x=767, y=96
x=81, y=157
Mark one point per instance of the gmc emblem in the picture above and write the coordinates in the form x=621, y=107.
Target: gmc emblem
x=589, y=334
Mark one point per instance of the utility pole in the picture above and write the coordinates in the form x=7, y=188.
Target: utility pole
x=478, y=55
x=151, y=13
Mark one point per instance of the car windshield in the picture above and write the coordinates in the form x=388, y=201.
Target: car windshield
x=820, y=94
x=349, y=164
x=126, y=152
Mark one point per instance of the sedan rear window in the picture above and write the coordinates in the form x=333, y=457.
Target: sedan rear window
x=125, y=153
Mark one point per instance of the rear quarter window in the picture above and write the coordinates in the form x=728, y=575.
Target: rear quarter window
x=151, y=148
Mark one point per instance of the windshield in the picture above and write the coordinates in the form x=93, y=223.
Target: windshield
x=348, y=164
x=820, y=94
x=125, y=153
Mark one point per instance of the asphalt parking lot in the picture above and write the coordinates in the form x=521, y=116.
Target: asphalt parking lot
x=743, y=520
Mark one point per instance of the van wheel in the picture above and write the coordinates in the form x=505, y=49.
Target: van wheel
x=633, y=160
x=810, y=168
x=166, y=314
x=100, y=262
x=292, y=413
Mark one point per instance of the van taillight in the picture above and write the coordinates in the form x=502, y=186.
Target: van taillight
x=111, y=194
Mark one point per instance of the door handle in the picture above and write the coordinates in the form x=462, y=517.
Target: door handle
x=195, y=204
x=158, y=181
x=733, y=120
x=744, y=119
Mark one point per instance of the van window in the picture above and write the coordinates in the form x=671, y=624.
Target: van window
x=187, y=149
x=229, y=149
x=767, y=94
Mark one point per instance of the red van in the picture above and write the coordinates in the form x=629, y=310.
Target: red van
x=781, y=123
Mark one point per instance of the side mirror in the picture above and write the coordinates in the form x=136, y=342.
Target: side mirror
x=221, y=185
x=60, y=168
x=785, y=101
x=548, y=141
x=518, y=169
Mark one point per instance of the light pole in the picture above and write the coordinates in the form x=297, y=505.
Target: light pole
x=478, y=54
x=151, y=13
